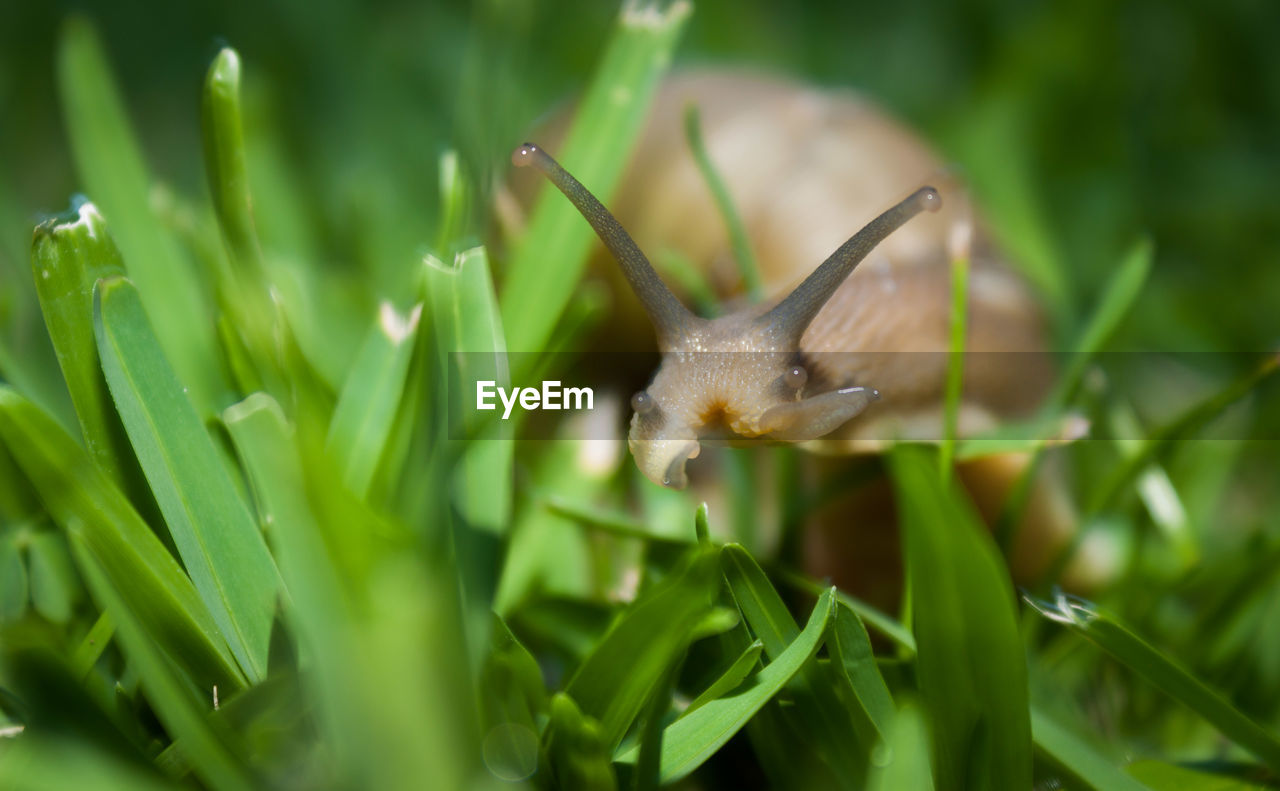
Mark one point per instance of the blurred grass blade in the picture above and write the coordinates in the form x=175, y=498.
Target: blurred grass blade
x=211, y=524
x=69, y=254
x=908, y=764
x=689, y=741
x=1164, y=673
x=842, y=736
x=1160, y=776
x=577, y=749
x=225, y=162
x=366, y=408
x=1182, y=427
x=955, y=352
x=174, y=703
x=1117, y=299
x=852, y=657
x=317, y=607
x=729, y=679
x=552, y=254
x=53, y=764
x=54, y=585
x=468, y=329
x=748, y=269
x=616, y=679
x=1076, y=757
x=971, y=666
x=14, y=586
x=379, y=627
x=110, y=164
x=155, y=588
x=244, y=296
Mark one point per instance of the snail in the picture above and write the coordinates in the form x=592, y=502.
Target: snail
x=805, y=168
x=851, y=355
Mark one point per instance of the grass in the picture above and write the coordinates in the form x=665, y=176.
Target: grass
x=244, y=543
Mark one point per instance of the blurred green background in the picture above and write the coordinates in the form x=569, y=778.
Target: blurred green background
x=1119, y=118
x=1083, y=128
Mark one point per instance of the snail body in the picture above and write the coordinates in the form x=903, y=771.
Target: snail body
x=847, y=353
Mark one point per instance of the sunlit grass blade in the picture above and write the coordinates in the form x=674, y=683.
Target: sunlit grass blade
x=110, y=163
x=1165, y=673
x=614, y=682
x=362, y=418
x=970, y=661
x=173, y=701
x=552, y=253
x=689, y=741
x=209, y=520
x=748, y=269
x=1076, y=757
x=156, y=590
x=69, y=254
x=468, y=329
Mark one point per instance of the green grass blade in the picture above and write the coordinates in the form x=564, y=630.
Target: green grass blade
x=1164, y=673
x=69, y=254
x=54, y=586
x=748, y=269
x=228, y=172
x=54, y=764
x=14, y=582
x=174, y=702
x=852, y=658
x=841, y=735
x=955, y=354
x=157, y=591
x=729, y=679
x=884, y=624
x=468, y=326
x=1160, y=776
x=577, y=749
x=971, y=666
x=908, y=765
x=366, y=408
x=689, y=741
x=1117, y=299
x=551, y=256
x=379, y=627
x=109, y=161
x=1183, y=427
x=1076, y=757
x=208, y=518
x=614, y=682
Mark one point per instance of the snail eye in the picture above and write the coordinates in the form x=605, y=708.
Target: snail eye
x=643, y=403
x=795, y=377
